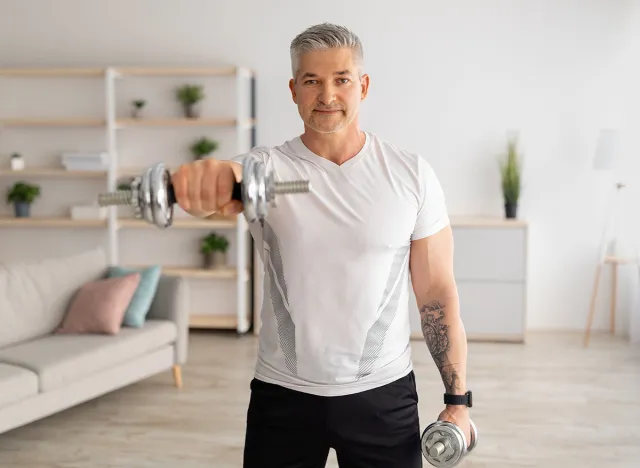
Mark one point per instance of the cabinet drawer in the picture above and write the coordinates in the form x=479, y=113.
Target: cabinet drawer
x=492, y=309
x=489, y=254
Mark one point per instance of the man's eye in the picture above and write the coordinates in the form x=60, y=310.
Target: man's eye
x=310, y=82
x=343, y=80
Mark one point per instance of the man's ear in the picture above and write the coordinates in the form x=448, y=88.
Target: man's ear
x=292, y=87
x=364, y=86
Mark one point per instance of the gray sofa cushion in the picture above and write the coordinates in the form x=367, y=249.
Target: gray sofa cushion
x=61, y=359
x=16, y=383
x=34, y=296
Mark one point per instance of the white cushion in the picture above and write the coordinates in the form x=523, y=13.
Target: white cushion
x=34, y=296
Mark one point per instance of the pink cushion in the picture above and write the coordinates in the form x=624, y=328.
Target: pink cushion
x=99, y=306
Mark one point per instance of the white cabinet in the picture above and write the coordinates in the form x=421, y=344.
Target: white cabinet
x=490, y=262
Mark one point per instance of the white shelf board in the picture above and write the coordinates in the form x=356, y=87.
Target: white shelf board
x=51, y=222
x=152, y=122
x=53, y=172
x=53, y=72
x=224, y=273
x=187, y=223
x=53, y=122
x=175, y=71
x=217, y=321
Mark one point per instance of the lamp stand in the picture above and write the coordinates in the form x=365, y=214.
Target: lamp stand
x=607, y=255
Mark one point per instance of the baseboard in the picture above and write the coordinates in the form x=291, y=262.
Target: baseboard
x=46, y=404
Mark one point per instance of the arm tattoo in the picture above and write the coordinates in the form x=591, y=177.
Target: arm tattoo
x=436, y=334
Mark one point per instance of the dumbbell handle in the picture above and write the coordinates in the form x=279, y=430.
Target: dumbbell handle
x=437, y=449
x=123, y=197
x=296, y=186
x=236, y=195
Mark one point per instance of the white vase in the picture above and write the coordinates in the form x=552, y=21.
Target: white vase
x=17, y=164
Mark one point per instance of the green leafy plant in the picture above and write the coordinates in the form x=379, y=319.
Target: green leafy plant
x=510, y=173
x=214, y=243
x=189, y=96
x=22, y=192
x=203, y=147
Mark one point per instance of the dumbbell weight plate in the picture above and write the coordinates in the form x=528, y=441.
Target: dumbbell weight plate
x=443, y=444
x=474, y=436
x=255, y=189
x=144, y=194
x=161, y=202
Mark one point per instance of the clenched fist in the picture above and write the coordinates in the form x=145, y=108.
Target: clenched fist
x=204, y=187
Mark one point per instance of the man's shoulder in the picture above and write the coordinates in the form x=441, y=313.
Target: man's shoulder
x=394, y=150
x=265, y=152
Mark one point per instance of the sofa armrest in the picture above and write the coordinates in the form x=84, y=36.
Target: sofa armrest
x=171, y=302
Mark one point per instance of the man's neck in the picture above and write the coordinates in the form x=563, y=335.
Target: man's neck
x=337, y=147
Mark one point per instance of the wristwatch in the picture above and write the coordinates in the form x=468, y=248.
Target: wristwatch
x=461, y=400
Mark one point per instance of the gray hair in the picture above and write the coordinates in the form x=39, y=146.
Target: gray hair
x=322, y=37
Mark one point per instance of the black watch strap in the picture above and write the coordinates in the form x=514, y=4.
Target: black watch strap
x=459, y=400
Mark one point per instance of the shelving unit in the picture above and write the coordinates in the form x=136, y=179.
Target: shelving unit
x=113, y=124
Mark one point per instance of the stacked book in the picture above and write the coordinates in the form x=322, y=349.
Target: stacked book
x=85, y=161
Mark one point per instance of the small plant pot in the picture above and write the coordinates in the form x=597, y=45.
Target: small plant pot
x=215, y=260
x=511, y=210
x=136, y=113
x=22, y=209
x=191, y=111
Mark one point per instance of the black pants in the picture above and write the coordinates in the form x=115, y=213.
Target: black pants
x=371, y=429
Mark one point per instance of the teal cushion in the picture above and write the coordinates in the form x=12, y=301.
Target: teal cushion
x=140, y=304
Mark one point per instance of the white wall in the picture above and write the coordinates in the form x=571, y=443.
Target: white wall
x=458, y=76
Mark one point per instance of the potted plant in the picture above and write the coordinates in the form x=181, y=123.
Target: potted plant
x=137, y=104
x=22, y=195
x=214, y=249
x=510, y=174
x=189, y=96
x=203, y=147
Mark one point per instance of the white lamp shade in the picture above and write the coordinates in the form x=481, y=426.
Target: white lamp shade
x=606, y=154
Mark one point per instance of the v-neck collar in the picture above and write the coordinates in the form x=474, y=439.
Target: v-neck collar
x=301, y=150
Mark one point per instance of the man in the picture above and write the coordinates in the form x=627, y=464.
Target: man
x=334, y=367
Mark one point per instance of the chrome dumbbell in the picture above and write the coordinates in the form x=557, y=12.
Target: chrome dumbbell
x=151, y=195
x=444, y=444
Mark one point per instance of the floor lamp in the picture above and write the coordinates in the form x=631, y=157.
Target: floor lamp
x=605, y=159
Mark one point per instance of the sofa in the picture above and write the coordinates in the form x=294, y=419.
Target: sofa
x=43, y=371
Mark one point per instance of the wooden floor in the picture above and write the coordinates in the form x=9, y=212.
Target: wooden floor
x=550, y=403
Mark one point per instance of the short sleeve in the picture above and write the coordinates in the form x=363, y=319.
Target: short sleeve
x=432, y=210
x=260, y=152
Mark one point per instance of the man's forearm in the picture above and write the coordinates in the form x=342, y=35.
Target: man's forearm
x=445, y=336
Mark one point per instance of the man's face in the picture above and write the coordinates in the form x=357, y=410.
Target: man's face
x=328, y=90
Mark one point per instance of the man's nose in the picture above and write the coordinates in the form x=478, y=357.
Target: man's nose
x=327, y=94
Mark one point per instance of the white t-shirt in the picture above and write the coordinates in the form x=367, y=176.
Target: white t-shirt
x=335, y=312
